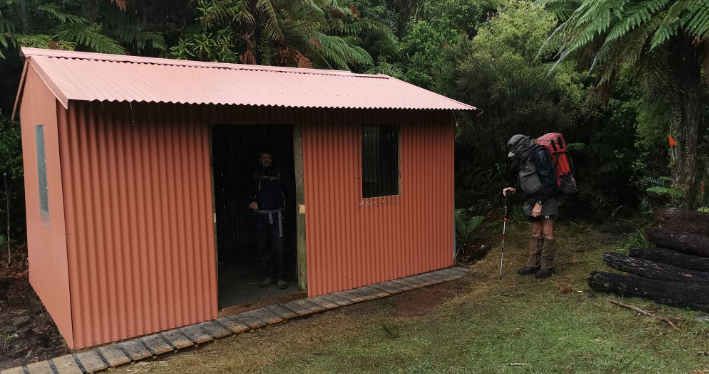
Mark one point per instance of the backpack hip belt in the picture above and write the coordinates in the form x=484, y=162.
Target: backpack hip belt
x=278, y=212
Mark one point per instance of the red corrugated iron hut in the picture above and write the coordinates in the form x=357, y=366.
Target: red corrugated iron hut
x=133, y=168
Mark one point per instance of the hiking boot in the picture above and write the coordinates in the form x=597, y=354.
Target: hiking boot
x=266, y=282
x=281, y=284
x=545, y=273
x=528, y=270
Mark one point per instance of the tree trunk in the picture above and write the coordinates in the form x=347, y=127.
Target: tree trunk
x=24, y=13
x=7, y=210
x=654, y=270
x=684, y=221
x=686, y=75
x=667, y=256
x=692, y=244
x=669, y=293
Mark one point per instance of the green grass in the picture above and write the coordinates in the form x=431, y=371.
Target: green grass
x=484, y=326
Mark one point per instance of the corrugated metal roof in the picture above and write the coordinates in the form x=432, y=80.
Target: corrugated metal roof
x=93, y=76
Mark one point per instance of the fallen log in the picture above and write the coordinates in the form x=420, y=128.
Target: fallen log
x=692, y=244
x=654, y=270
x=683, y=221
x=668, y=293
x=668, y=256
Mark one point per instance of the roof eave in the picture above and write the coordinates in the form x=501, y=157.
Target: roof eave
x=18, y=98
x=51, y=85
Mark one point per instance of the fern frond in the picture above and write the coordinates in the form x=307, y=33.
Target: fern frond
x=138, y=38
x=337, y=51
x=218, y=12
x=576, y=146
x=88, y=36
x=6, y=26
x=612, y=166
x=34, y=41
x=635, y=16
x=697, y=20
x=312, y=6
x=53, y=11
x=666, y=191
x=272, y=26
x=603, y=150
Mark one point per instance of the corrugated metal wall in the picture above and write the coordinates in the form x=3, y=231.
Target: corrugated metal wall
x=139, y=214
x=351, y=241
x=46, y=236
x=140, y=230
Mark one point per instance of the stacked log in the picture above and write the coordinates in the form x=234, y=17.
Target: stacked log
x=692, y=244
x=676, y=273
x=669, y=293
x=672, y=258
x=683, y=221
x=655, y=270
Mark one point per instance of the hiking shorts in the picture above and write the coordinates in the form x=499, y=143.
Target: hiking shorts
x=550, y=210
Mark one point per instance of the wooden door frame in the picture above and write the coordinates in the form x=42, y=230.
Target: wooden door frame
x=300, y=208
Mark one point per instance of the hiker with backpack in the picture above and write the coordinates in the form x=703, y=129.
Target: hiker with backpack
x=540, y=164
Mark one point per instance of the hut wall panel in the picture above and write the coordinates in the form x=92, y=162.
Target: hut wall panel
x=353, y=242
x=139, y=219
x=46, y=238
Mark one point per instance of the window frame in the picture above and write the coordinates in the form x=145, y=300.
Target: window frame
x=42, y=183
x=395, y=174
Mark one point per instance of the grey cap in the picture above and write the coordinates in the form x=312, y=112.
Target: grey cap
x=513, y=144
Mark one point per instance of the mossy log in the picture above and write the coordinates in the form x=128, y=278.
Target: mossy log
x=655, y=270
x=668, y=293
x=670, y=257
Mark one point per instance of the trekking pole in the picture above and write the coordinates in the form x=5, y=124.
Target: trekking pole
x=504, y=230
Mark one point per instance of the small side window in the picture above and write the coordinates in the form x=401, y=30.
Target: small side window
x=380, y=161
x=42, y=171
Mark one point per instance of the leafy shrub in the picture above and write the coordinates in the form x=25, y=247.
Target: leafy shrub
x=466, y=227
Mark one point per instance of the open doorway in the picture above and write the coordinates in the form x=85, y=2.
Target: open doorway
x=235, y=150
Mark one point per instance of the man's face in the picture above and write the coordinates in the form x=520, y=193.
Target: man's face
x=266, y=160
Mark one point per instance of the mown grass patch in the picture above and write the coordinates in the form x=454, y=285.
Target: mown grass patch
x=516, y=325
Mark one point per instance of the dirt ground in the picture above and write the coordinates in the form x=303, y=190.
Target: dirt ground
x=27, y=333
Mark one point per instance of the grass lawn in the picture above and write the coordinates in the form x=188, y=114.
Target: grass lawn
x=478, y=324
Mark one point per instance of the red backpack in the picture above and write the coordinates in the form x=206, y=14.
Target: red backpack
x=555, y=145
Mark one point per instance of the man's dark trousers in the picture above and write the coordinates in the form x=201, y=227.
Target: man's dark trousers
x=270, y=246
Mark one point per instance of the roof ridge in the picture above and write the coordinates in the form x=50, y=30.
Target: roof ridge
x=73, y=55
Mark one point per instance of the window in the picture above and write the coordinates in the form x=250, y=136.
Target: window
x=42, y=171
x=380, y=161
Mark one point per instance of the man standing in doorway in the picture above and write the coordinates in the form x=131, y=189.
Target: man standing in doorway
x=271, y=188
x=537, y=179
